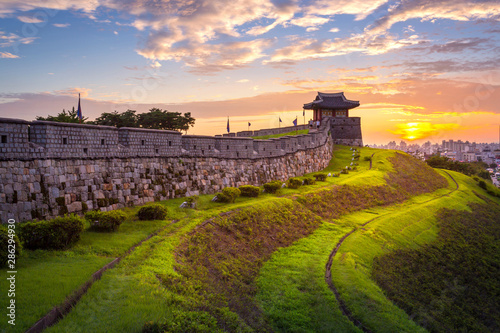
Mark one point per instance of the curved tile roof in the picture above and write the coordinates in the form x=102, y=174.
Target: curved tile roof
x=336, y=101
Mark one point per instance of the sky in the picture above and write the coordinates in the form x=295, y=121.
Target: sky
x=423, y=70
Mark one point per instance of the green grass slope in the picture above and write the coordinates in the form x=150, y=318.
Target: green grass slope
x=452, y=284
x=410, y=226
x=259, y=264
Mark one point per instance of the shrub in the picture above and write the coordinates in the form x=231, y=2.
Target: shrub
x=367, y=158
x=482, y=184
x=294, y=182
x=105, y=221
x=272, y=187
x=56, y=234
x=152, y=212
x=229, y=194
x=484, y=174
x=249, y=191
x=321, y=176
x=7, y=241
x=309, y=181
x=335, y=174
x=192, y=200
x=344, y=171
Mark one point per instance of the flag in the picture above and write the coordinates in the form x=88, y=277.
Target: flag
x=228, y=124
x=304, y=113
x=280, y=119
x=295, y=122
x=249, y=124
x=79, y=112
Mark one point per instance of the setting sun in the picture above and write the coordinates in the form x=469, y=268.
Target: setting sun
x=422, y=130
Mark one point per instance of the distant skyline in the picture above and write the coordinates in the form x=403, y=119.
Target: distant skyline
x=422, y=70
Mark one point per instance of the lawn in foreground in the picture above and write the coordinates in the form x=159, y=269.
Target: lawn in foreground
x=157, y=256
x=153, y=258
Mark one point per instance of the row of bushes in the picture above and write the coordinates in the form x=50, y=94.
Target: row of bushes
x=64, y=231
x=229, y=194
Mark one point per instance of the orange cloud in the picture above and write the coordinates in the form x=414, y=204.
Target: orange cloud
x=73, y=92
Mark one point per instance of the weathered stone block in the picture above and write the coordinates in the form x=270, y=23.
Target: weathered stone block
x=74, y=207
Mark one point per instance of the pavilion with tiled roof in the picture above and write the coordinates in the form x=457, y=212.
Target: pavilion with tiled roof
x=333, y=105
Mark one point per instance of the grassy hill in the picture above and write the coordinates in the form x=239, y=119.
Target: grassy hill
x=303, y=260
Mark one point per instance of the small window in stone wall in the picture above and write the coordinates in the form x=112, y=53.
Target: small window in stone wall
x=156, y=150
x=4, y=138
x=246, y=147
x=142, y=142
x=85, y=150
x=227, y=147
x=102, y=142
x=65, y=141
x=170, y=143
x=237, y=154
x=209, y=147
x=194, y=147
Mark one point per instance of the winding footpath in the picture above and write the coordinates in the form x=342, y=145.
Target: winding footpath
x=59, y=312
x=328, y=272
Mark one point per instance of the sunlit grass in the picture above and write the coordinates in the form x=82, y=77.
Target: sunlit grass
x=131, y=293
x=272, y=136
x=408, y=226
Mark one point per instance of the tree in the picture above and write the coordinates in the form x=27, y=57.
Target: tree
x=125, y=119
x=162, y=119
x=64, y=117
x=154, y=119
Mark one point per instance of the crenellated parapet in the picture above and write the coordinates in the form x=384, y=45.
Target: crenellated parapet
x=23, y=140
x=49, y=169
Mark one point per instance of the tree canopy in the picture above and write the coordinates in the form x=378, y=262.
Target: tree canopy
x=64, y=117
x=154, y=119
x=124, y=119
x=471, y=168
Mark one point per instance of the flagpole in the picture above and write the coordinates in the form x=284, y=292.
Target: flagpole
x=79, y=111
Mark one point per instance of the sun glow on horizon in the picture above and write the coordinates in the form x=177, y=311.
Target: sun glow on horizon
x=421, y=130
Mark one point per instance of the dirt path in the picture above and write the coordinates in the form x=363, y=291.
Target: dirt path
x=58, y=312
x=328, y=272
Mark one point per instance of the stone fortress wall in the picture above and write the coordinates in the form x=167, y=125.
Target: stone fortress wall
x=48, y=169
x=346, y=131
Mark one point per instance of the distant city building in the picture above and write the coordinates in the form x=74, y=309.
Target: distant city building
x=469, y=157
x=458, y=150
